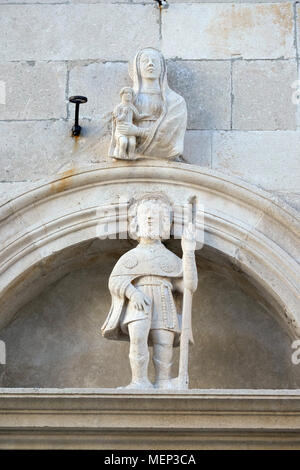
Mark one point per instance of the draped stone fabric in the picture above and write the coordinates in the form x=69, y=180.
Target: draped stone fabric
x=166, y=136
x=161, y=264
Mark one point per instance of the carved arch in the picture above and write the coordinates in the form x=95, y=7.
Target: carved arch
x=259, y=234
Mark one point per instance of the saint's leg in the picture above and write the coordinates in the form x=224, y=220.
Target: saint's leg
x=162, y=357
x=139, y=353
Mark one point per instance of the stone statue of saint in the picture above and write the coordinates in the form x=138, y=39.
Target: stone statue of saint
x=142, y=285
x=160, y=133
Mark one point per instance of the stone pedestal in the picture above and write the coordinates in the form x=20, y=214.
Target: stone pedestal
x=106, y=419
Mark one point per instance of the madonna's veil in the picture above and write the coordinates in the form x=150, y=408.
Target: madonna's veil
x=137, y=79
x=165, y=139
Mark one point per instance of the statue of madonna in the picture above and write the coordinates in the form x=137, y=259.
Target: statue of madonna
x=161, y=123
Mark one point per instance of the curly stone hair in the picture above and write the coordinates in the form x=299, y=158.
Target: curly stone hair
x=125, y=89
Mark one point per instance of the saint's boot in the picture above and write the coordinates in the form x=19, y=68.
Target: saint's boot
x=139, y=369
x=162, y=374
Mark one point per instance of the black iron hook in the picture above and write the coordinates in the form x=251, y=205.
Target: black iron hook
x=161, y=4
x=78, y=100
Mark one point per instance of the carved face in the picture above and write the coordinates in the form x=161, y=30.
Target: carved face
x=153, y=220
x=127, y=96
x=150, y=64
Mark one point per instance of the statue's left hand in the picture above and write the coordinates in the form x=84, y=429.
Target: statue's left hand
x=188, y=241
x=128, y=129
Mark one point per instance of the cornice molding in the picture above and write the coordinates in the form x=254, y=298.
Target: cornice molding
x=108, y=419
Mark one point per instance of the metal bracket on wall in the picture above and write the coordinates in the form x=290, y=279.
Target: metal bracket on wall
x=162, y=3
x=78, y=100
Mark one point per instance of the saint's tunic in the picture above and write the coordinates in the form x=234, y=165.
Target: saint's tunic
x=152, y=269
x=162, y=313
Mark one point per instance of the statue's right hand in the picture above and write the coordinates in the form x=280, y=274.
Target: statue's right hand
x=140, y=301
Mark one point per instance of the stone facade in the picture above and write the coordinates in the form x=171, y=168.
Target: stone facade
x=236, y=64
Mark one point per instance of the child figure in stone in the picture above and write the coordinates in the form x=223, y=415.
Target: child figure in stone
x=122, y=146
x=142, y=283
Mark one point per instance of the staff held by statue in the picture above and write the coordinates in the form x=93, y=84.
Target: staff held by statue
x=190, y=281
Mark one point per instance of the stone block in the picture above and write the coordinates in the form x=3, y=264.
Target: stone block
x=38, y=149
x=22, y=2
x=220, y=31
x=298, y=24
x=197, y=148
x=263, y=95
x=34, y=90
x=104, y=1
x=74, y=32
x=101, y=83
x=205, y=85
x=228, y=1
x=266, y=159
x=38, y=2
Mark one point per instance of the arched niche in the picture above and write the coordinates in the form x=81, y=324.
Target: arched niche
x=55, y=339
x=250, y=229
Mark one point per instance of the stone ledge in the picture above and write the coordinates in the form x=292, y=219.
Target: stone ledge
x=109, y=418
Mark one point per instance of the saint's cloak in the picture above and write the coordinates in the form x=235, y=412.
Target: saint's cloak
x=136, y=263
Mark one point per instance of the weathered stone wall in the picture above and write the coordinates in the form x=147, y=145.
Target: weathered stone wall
x=235, y=64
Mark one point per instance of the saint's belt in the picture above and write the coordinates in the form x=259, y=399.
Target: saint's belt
x=153, y=282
